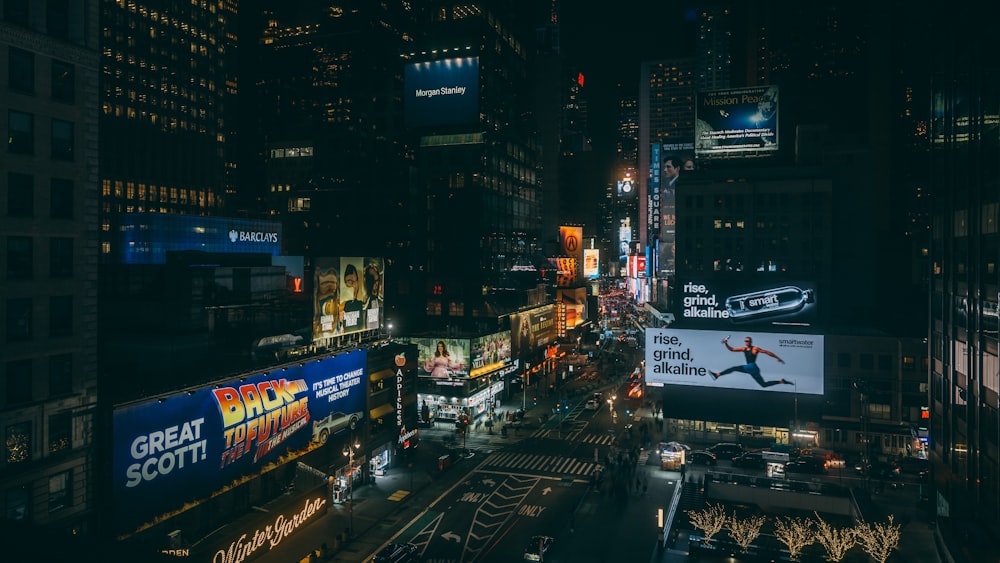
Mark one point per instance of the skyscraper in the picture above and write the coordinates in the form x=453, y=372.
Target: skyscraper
x=48, y=226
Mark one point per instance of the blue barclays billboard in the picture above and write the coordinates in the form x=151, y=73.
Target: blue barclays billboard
x=736, y=121
x=173, y=452
x=770, y=362
x=444, y=92
x=729, y=303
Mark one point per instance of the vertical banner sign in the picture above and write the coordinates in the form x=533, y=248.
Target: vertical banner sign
x=653, y=205
x=572, y=246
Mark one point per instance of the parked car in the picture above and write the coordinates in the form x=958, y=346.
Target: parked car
x=701, y=457
x=878, y=470
x=726, y=450
x=396, y=553
x=804, y=464
x=750, y=460
x=537, y=547
x=592, y=405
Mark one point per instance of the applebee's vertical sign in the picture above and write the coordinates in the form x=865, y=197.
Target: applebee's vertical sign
x=400, y=361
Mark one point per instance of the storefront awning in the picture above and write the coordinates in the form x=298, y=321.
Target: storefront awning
x=380, y=411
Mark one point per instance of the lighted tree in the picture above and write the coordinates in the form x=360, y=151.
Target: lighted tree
x=795, y=533
x=836, y=541
x=745, y=530
x=879, y=539
x=709, y=520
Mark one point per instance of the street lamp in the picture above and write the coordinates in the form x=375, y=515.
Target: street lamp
x=524, y=386
x=388, y=328
x=349, y=452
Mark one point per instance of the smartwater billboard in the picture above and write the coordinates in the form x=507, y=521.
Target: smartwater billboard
x=720, y=304
x=444, y=92
x=735, y=121
x=174, y=452
x=348, y=295
x=785, y=363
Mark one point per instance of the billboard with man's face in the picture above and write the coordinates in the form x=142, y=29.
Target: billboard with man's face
x=772, y=362
x=173, y=452
x=735, y=121
x=348, y=295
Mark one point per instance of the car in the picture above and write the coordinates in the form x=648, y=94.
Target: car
x=396, y=553
x=701, y=457
x=878, y=470
x=672, y=447
x=726, y=450
x=537, y=547
x=805, y=464
x=914, y=466
x=750, y=460
x=333, y=423
x=592, y=405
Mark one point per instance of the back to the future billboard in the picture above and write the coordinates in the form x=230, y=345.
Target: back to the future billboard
x=444, y=92
x=173, y=452
x=736, y=121
x=772, y=362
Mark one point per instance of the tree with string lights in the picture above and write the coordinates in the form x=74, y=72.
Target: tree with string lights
x=795, y=533
x=836, y=541
x=745, y=530
x=878, y=539
x=710, y=521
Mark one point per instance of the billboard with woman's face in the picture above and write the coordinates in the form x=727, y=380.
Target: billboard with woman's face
x=442, y=358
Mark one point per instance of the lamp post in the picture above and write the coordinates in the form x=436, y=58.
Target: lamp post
x=349, y=452
x=388, y=328
x=524, y=386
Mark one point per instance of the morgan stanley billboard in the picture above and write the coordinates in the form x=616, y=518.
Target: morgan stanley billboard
x=173, y=452
x=743, y=120
x=444, y=92
x=787, y=363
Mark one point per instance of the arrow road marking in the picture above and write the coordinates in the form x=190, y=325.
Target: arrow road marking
x=451, y=536
x=489, y=482
x=546, y=491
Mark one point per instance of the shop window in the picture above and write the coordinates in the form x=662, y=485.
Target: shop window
x=60, y=315
x=19, y=322
x=16, y=503
x=17, y=443
x=20, y=132
x=60, y=257
x=60, y=491
x=20, y=195
x=60, y=374
x=60, y=432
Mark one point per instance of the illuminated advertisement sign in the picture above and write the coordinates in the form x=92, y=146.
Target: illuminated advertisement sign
x=442, y=358
x=742, y=120
x=444, y=92
x=348, y=296
x=490, y=353
x=565, y=271
x=531, y=330
x=718, y=304
x=591, y=263
x=636, y=267
x=174, y=452
x=574, y=302
x=627, y=188
x=772, y=362
x=653, y=193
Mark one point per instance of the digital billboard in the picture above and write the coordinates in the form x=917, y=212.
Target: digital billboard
x=565, y=271
x=574, y=301
x=444, y=92
x=743, y=120
x=442, y=358
x=171, y=453
x=347, y=295
x=591, y=263
x=719, y=304
x=773, y=362
x=531, y=330
x=490, y=353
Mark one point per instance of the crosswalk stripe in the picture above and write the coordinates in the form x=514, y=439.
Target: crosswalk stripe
x=538, y=462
